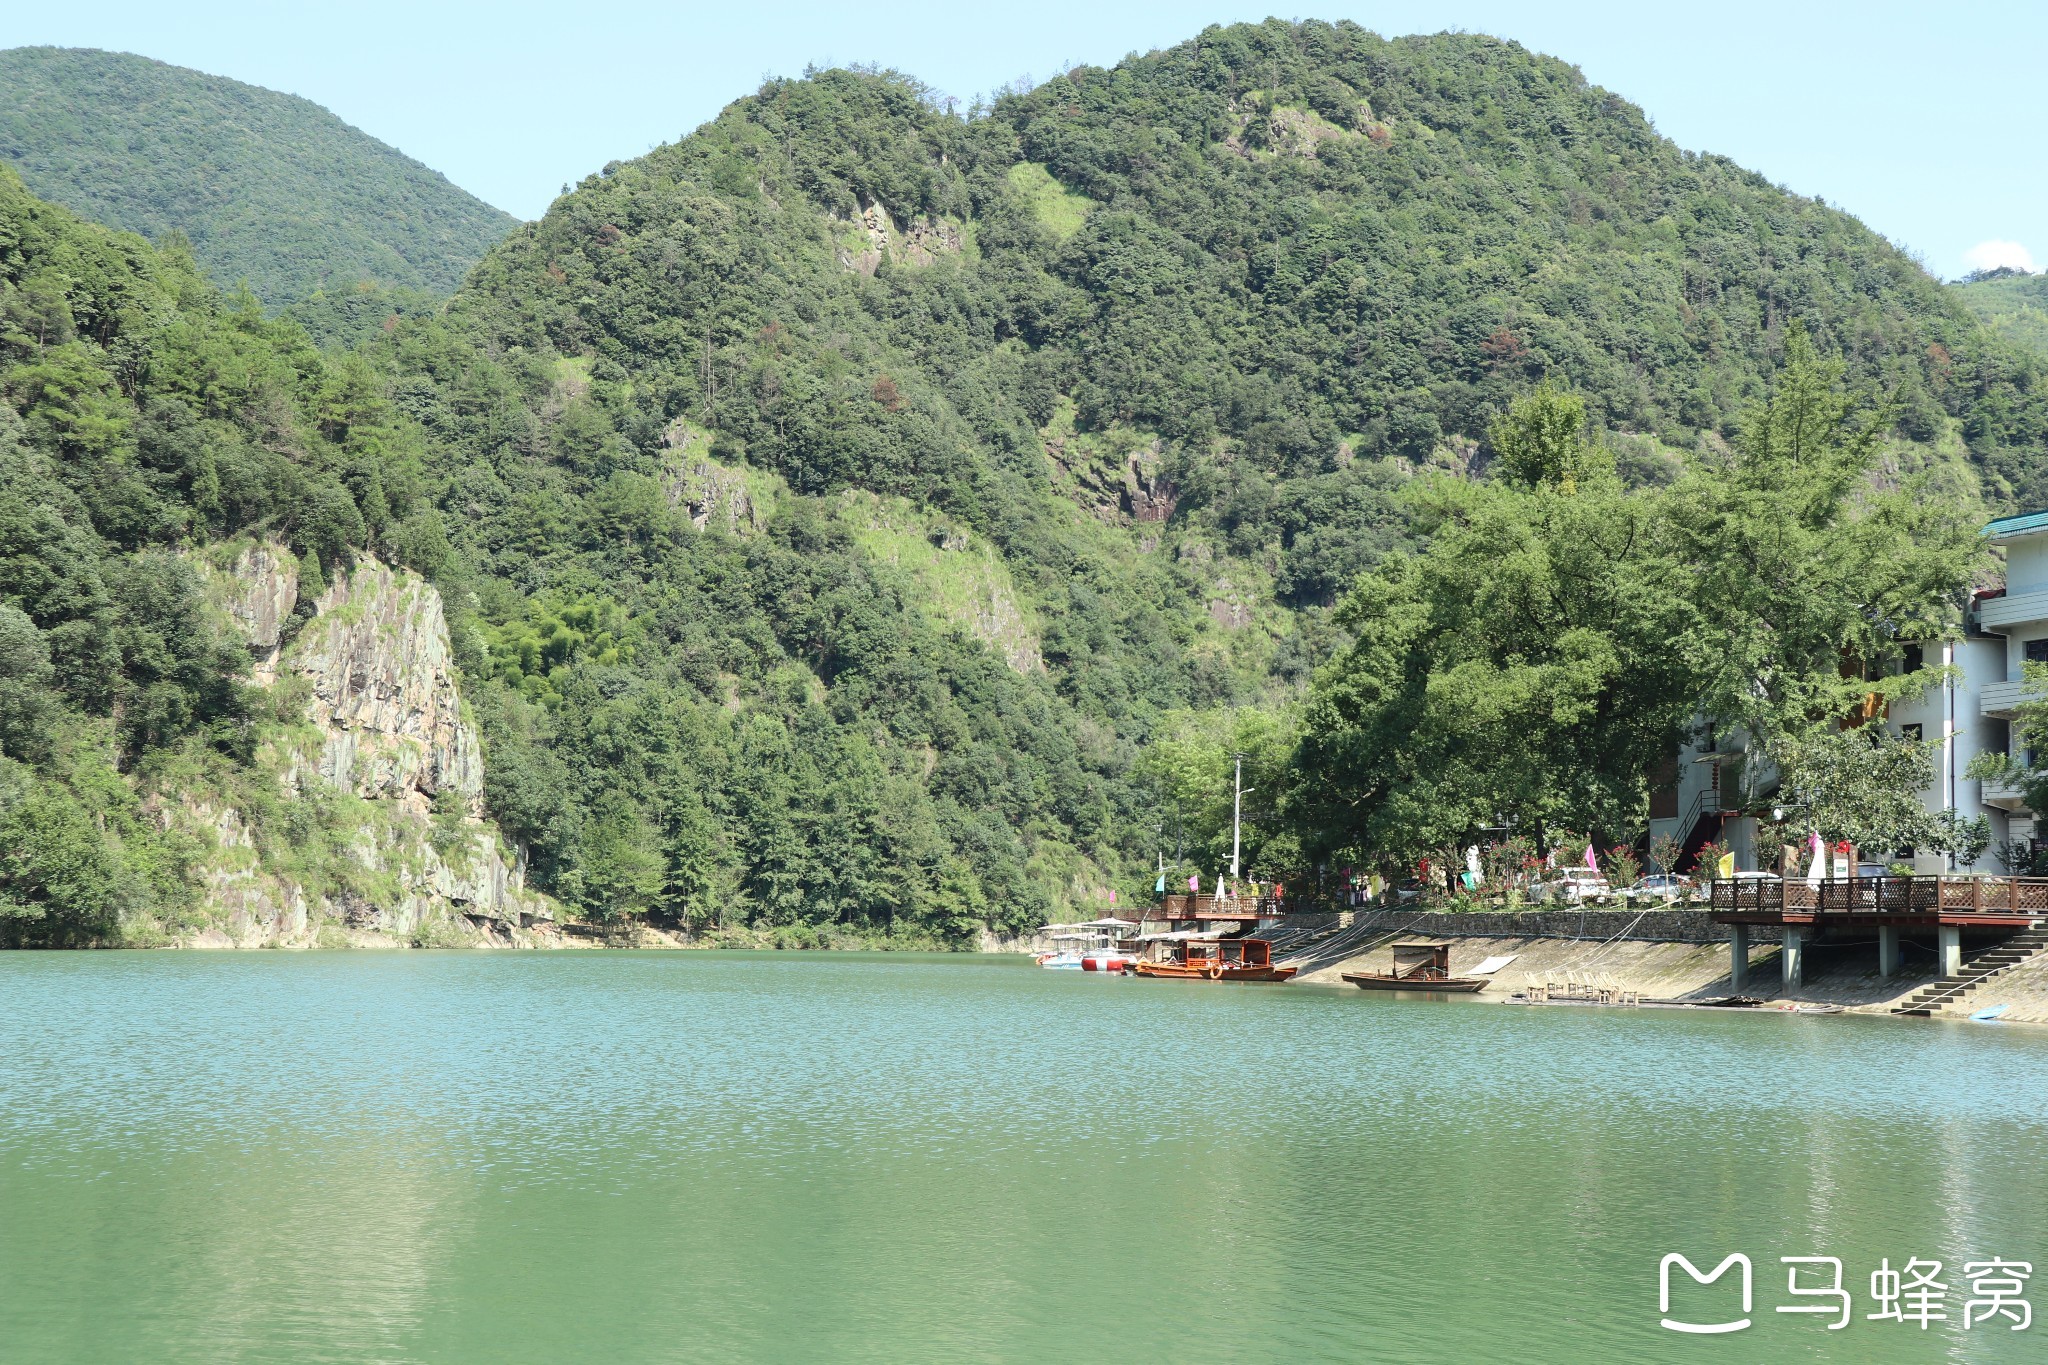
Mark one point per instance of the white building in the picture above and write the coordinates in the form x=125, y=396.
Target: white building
x=1969, y=715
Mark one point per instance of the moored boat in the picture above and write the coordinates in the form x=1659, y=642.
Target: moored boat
x=1418, y=967
x=1231, y=959
x=1097, y=950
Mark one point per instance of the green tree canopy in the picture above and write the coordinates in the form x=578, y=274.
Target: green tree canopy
x=1561, y=631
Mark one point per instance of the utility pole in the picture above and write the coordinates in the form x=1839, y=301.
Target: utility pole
x=1237, y=796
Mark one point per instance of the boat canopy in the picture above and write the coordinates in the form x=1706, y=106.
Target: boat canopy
x=1108, y=922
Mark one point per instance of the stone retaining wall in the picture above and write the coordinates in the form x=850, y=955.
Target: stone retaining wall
x=1655, y=926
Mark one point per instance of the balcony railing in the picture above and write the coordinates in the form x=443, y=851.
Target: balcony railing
x=1182, y=906
x=1997, y=612
x=1929, y=895
x=2000, y=791
x=2003, y=699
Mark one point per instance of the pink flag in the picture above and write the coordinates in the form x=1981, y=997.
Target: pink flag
x=1591, y=861
x=1195, y=883
x=1112, y=897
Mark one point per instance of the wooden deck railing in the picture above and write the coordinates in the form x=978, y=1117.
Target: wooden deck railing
x=1922, y=895
x=1184, y=906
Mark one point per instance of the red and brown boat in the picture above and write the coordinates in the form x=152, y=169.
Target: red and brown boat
x=1229, y=959
x=1418, y=967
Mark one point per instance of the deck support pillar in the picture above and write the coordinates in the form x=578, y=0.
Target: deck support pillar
x=1887, y=950
x=1738, y=958
x=1950, y=939
x=1794, y=955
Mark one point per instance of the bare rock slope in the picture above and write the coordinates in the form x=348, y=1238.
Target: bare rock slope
x=386, y=756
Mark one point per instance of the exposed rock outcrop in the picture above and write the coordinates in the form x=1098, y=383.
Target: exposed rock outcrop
x=714, y=495
x=1121, y=488
x=406, y=852
x=874, y=236
x=384, y=695
x=258, y=593
x=1286, y=130
x=927, y=239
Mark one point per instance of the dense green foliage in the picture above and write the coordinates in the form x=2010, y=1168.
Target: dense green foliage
x=1562, y=630
x=863, y=516
x=1265, y=275
x=270, y=189
x=346, y=317
x=2012, y=304
x=145, y=413
x=1863, y=784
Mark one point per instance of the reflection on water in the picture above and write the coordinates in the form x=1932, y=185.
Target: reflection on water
x=473, y=1157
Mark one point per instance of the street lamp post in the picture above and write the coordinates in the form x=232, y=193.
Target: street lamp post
x=1238, y=793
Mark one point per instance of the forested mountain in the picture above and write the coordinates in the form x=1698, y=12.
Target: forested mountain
x=268, y=188
x=867, y=515
x=1167, y=339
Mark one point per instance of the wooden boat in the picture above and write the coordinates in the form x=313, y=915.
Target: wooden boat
x=1229, y=959
x=1418, y=967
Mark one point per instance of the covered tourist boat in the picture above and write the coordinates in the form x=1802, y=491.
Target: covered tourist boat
x=1209, y=959
x=1093, y=946
x=1418, y=967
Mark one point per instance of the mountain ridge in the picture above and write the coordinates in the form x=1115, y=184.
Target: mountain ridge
x=1171, y=336
x=268, y=187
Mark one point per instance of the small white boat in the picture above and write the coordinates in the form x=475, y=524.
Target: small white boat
x=1095, y=950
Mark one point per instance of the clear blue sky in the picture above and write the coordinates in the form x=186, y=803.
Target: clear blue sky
x=1923, y=120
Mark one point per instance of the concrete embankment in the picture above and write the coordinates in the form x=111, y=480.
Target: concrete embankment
x=1664, y=955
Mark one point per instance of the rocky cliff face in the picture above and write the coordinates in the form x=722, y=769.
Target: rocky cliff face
x=384, y=698
x=383, y=757
x=259, y=592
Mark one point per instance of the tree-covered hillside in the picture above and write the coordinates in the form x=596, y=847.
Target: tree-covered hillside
x=268, y=188
x=145, y=416
x=867, y=515
x=1161, y=345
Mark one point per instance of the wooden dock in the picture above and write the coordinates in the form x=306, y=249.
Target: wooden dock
x=1924, y=901
x=1997, y=907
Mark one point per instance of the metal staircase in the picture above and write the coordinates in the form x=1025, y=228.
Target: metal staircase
x=1949, y=991
x=1700, y=823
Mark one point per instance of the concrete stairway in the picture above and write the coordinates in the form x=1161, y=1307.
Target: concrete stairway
x=1950, y=992
x=1289, y=939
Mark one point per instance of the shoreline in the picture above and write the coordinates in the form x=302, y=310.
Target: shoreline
x=1663, y=955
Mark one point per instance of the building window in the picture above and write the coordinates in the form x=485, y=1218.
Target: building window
x=1916, y=658
x=2037, y=651
x=1911, y=732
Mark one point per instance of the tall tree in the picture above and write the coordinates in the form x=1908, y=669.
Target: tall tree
x=1561, y=631
x=1518, y=672
x=1807, y=569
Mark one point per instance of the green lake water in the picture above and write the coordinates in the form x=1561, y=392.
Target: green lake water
x=476, y=1157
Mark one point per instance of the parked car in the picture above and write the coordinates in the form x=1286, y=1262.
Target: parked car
x=1576, y=885
x=1662, y=886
